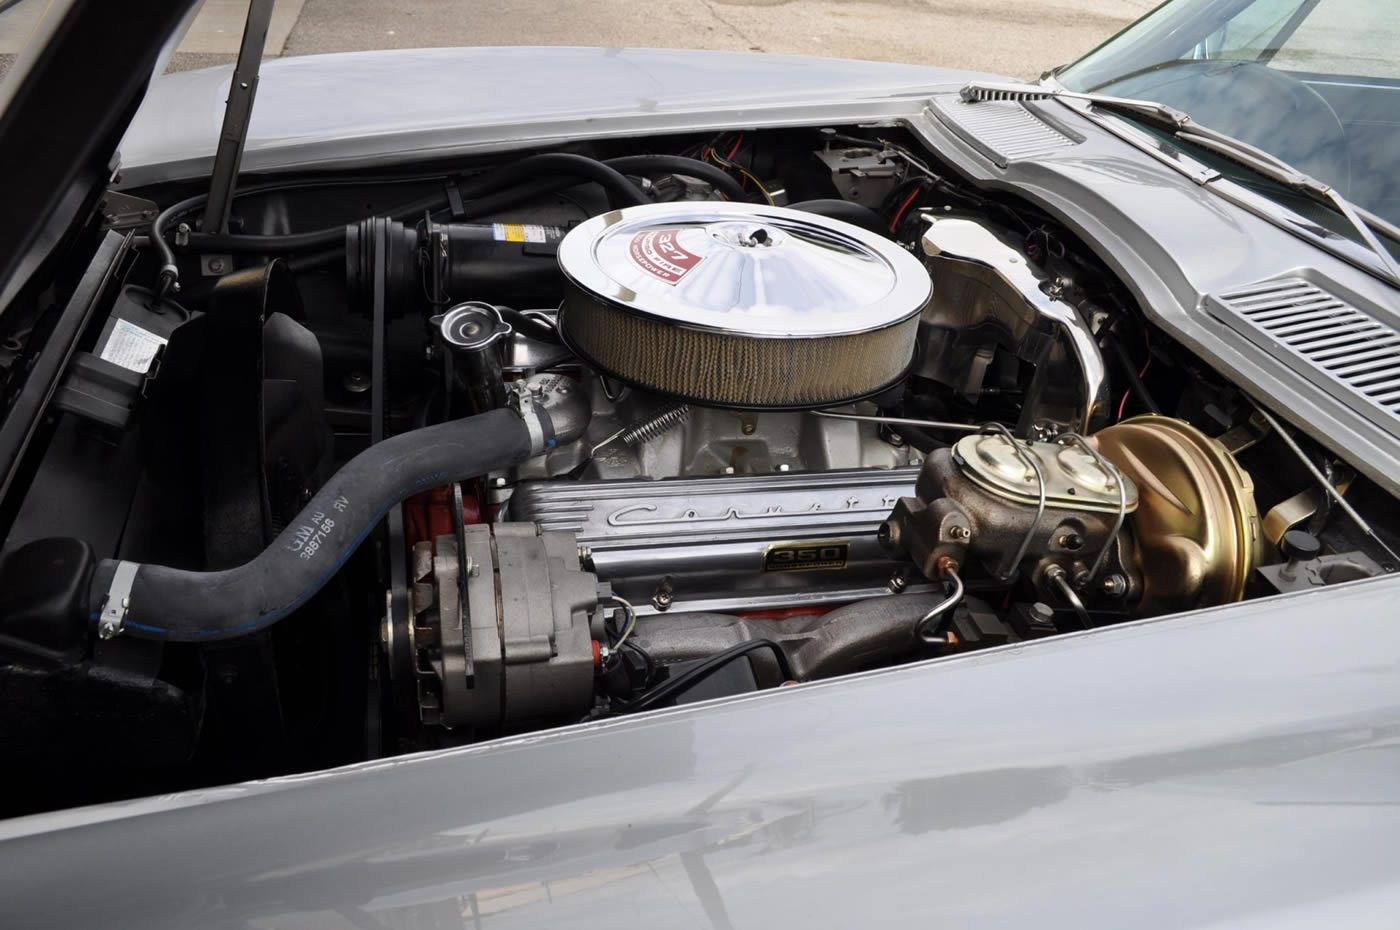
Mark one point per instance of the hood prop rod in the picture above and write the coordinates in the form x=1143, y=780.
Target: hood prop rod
x=233, y=135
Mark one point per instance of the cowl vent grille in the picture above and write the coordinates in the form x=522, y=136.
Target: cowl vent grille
x=1006, y=130
x=1343, y=349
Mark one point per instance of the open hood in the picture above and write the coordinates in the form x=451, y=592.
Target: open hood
x=88, y=62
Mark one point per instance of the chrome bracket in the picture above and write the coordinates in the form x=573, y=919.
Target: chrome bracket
x=117, y=601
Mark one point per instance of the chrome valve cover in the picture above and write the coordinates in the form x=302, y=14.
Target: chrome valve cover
x=730, y=543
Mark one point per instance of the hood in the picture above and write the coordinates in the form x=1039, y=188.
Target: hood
x=1234, y=769
x=63, y=106
x=362, y=107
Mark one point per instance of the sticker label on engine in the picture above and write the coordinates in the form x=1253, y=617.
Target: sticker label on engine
x=131, y=346
x=832, y=555
x=657, y=252
x=525, y=232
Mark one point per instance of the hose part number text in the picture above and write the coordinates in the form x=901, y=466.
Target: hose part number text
x=306, y=541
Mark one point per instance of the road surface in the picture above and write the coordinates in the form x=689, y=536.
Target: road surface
x=1016, y=37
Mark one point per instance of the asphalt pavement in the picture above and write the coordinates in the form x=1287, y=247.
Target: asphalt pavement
x=1015, y=37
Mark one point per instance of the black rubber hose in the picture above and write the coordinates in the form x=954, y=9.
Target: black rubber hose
x=530, y=326
x=239, y=244
x=717, y=177
x=857, y=214
x=509, y=197
x=186, y=606
x=169, y=271
x=921, y=439
x=698, y=673
x=1130, y=372
x=622, y=193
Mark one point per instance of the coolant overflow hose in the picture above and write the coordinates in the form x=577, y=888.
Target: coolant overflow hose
x=155, y=602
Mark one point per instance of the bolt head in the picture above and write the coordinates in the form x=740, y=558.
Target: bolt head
x=1115, y=585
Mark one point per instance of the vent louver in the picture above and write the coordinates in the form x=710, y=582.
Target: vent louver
x=1005, y=129
x=1344, y=350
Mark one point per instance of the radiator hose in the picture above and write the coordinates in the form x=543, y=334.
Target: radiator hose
x=156, y=602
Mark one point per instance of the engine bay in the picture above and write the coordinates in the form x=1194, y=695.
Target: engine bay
x=417, y=458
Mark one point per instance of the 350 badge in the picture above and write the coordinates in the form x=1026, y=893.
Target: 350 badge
x=830, y=555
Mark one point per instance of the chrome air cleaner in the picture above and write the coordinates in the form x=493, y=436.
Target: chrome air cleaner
x=738, y=305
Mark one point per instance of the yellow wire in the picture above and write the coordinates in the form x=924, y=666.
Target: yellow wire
x=724, y=163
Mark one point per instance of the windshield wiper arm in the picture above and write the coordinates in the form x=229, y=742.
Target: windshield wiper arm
x=1182, y=126
x=1168, y=117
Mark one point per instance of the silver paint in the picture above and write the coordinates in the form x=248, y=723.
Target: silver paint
x=1237, y=768
x=378, y=106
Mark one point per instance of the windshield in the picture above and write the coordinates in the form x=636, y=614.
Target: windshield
x=1313, y=82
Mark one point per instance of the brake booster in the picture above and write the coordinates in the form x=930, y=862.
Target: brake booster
x=1147, y=517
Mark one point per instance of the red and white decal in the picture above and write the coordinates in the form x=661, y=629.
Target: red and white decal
x=657, y=252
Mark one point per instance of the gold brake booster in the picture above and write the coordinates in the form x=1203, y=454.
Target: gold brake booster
x=1149, y=516
x=1196, y=527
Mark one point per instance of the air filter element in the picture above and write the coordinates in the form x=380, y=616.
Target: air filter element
x=737, y=305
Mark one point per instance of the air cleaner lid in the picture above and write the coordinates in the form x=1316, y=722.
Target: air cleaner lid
x=745, y=269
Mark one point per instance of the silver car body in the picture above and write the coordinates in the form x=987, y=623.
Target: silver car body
x=1239, y=768
x=1235, y=768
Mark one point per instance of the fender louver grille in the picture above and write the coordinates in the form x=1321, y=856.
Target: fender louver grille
x=1342, y=349
x=1005, y=130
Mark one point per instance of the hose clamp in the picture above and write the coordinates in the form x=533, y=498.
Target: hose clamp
x=117, y=601
x=537, y=422
x=526, y=406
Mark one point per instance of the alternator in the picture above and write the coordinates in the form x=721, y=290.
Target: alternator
x=529, y=609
